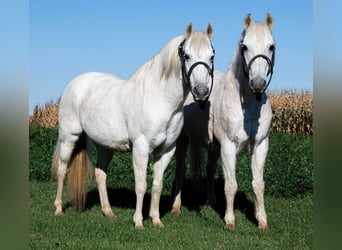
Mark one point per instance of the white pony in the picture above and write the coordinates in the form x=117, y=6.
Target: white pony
x=143, y=114
x=238, y=114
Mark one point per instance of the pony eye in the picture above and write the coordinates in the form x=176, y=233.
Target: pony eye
x=186, y=57
x=243, y=47
x=272, y=47
x=212, y=57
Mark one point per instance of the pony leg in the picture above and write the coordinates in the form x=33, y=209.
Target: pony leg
x=213, y=156
x=258, y=158
x=60, y=162
x=140, y=153
x=228, y=156
x=104, y=157
x=181, y=149
x=159, y=167
x=61, y=172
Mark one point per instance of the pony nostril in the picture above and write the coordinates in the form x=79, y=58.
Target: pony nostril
x=252, y=84
x=207, y=91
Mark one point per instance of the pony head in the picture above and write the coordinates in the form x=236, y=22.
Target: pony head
x=257, y=50
x=197, y=57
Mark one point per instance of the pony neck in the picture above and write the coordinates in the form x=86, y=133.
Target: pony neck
x=162, y=74
x=162, y=66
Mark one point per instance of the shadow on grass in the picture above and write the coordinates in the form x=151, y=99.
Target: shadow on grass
x=241, y=203
x=193, y=197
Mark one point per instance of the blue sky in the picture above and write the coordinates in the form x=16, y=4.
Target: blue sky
x=67, y=38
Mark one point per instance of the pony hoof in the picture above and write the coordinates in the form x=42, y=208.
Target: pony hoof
x=263, y=226
x=158, y=224
x=230, y=226
x=59, y=213
x=175, y=211
x=139, y=227
x=109, y=214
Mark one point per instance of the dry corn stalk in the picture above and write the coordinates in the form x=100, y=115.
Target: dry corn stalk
x=292, y=112
x=46, y=116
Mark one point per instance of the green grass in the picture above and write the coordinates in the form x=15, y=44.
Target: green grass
x=200, y=228
x=288, y=168
x=288, y=200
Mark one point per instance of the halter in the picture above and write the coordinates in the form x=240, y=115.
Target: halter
x=246, y=68
x=186, y=75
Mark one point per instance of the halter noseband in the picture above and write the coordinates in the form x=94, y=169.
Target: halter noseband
x=186, y=75
x=246, y=68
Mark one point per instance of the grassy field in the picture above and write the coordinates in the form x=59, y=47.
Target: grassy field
x=288, y=200
x=198, y=227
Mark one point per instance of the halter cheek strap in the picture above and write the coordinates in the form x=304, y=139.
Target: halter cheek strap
x=247, y=67
x=186, y=75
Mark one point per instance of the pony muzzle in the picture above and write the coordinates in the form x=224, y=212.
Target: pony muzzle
x=200, y=93
x=258, y=85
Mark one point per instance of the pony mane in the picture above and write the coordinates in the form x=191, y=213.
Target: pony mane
x=162, y=65
x=234, y=64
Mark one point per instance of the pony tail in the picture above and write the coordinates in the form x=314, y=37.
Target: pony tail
x=196, y=161
x=78, y=174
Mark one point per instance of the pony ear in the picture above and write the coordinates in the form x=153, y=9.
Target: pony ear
x=269, y=21
x=247, y=21
x=189, y=30
x=209, y=31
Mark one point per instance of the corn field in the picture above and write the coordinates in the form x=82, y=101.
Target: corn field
x=46, y=116
x=292, y=112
